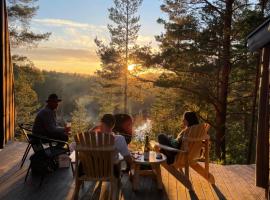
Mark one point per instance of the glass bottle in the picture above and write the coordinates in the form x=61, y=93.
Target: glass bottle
x=146, y=148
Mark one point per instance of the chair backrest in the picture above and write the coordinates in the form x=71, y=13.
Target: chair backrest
x=97, y=153
x=36, y=143
x=26, y=129
x=193, y=142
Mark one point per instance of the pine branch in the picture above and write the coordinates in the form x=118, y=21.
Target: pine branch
x=212, y=6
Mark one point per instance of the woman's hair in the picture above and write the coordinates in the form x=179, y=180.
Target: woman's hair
x=191, y=118
x=108, y=120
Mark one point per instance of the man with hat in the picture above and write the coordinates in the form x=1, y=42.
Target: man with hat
x=45, y=123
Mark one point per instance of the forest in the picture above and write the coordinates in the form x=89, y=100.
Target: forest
x=202, y=64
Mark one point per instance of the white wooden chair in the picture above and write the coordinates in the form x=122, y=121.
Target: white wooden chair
x=195, y=140
x=96, y=153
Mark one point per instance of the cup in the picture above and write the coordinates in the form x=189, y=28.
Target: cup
x=68, y=124
x=68, y=127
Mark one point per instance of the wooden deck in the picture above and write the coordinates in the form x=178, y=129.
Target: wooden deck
x=232, y=182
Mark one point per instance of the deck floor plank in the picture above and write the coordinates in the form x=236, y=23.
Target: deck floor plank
x=172, y=187
x=235, y=182
x=247, y=174
x=181, y=191
x=197, y=185
x=220, y=187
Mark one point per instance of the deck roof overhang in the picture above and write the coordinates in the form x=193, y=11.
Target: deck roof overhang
x=260, y=37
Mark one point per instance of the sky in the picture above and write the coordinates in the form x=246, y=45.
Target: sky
x=74, y=24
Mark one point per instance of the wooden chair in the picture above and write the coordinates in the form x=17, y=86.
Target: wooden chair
x=25, y=129
x=96, y=154
x=195, y=140
x=44, y=156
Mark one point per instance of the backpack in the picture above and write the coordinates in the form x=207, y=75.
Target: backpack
x=42, y=163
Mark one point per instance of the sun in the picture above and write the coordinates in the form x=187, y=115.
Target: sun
x=131, y=67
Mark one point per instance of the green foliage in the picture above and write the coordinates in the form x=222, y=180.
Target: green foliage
x=166, y=113
x=192, y=58
x=26, y=99
x=115, y=56
x=186, y=76
x=20, y=13
x=80, y=119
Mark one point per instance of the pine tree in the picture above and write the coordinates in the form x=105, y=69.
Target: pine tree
x=20, y=13
x=202, y=52
x=124, y=32
x=80, y=119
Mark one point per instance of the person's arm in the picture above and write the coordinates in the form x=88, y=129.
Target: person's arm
x=180, y=136
x=49, y=124
x=128, y=159
x=122, y=148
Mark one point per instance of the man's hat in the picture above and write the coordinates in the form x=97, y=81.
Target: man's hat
x=53, y=97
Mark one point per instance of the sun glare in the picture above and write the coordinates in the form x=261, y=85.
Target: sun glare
x=131, y=67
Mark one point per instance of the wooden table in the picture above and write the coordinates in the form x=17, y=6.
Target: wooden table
x=154, y=171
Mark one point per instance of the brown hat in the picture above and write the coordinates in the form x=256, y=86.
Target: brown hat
x=53, y=97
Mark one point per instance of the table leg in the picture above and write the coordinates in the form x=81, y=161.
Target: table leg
x=157, y=171
x=135, y=180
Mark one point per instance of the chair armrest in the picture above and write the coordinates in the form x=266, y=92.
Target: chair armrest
x=49, y=140
x=206, y=137
x=167, y=148
x=27, y=127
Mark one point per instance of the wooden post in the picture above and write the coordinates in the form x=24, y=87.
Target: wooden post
x=262, y=153
x=207, y=157
x=7, y=110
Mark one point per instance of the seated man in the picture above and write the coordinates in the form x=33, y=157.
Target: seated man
x=45, y=122
x=106, y=126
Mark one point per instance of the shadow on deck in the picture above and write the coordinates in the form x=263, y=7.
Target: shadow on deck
x=232, y=182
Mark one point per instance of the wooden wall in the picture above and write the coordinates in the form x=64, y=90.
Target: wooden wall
x=7, y=110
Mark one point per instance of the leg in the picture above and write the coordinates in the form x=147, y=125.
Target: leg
x=165, y=140
x=157, y=171
x=27, y=173
x=135, y=179
x=77, y=189
x=25, y=154
x=61, y=136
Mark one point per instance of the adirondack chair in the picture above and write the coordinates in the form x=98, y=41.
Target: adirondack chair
x=96, y=153
x=195, y=140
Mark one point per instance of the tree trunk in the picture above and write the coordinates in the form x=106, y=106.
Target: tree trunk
x=126, y=64
x=224, y=83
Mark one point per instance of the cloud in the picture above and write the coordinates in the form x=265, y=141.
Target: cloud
x=70, y=34
x=69, y=23
x=71, y=46
x=63, y=60
x=145, y=40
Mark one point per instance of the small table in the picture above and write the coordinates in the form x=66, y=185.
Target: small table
x=155, y=169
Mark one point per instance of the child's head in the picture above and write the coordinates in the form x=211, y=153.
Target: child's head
x=190, y=118
x=107, y=123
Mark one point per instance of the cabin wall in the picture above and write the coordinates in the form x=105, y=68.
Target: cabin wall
x=7, y=107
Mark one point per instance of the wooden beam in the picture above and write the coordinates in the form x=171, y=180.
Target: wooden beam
x=7, y=109
x=262, y=147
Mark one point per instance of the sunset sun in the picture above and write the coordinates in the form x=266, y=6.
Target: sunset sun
x=131, y=67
